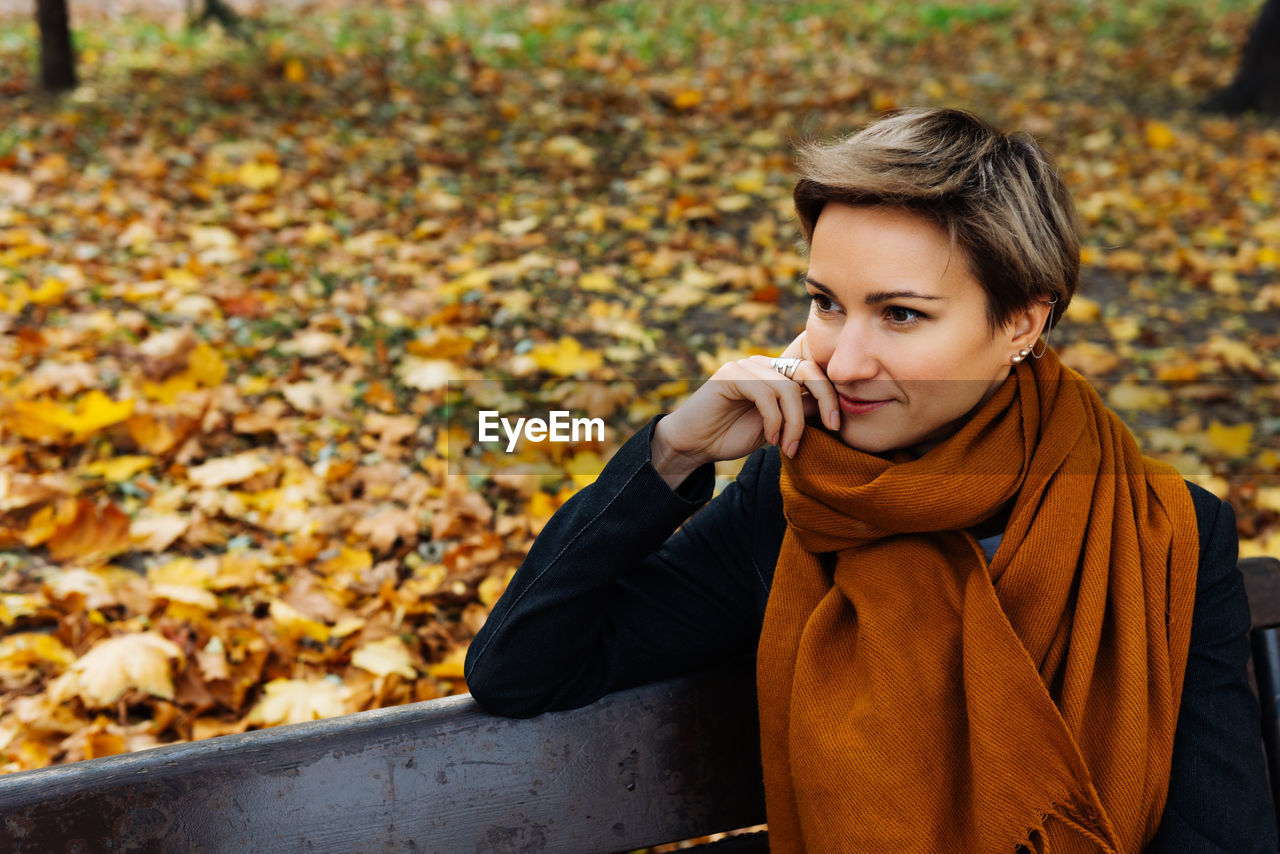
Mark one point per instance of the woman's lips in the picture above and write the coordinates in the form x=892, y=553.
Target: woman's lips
x=857, y=406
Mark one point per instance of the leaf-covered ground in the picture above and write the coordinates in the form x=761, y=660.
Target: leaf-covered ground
x=236, y=283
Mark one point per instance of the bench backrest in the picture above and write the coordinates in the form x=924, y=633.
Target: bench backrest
x=668, y=761
x=1262, y=581
x=662, y=762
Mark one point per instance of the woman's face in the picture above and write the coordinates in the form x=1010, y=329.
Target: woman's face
x=899, y=326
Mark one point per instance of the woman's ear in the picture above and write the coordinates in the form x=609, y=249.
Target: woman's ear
x=1025, y=326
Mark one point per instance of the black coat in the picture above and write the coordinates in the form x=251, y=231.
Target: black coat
x=612, y=595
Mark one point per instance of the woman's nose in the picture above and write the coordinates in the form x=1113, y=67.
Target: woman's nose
x=852, y=359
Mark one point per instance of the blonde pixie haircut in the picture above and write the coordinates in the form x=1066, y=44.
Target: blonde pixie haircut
x=996, y=194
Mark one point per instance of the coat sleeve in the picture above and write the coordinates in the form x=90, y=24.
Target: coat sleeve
x=609, y=596
x=1219, y=801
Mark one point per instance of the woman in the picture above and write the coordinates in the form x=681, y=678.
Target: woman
x=983, y=621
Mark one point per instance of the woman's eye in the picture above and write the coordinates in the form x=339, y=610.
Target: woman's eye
x=902, y=315
x=822, y=302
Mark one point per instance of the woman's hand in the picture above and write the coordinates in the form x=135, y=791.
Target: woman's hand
x=745, y=404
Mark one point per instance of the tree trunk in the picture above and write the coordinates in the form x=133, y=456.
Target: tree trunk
x=1257, y=82
x=57, y=58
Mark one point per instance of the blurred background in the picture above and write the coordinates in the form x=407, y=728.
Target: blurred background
x=254, y=257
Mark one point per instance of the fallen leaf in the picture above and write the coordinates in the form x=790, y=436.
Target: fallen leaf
x=295, y=701
x=1232, y=441
x=226, y=471
x=138, y=662
x=118, y=469
x=384, y=657
x=93, y=535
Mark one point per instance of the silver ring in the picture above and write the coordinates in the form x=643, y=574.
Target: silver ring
x=786, y=367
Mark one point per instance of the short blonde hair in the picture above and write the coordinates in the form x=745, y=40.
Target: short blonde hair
x=996, y=194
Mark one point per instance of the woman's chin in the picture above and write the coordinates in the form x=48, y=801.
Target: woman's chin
x=868, y=441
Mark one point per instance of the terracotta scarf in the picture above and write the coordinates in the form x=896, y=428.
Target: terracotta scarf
x=914, y=698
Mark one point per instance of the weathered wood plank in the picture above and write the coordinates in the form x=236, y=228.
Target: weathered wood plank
x=1262, y=582
x=657, y=763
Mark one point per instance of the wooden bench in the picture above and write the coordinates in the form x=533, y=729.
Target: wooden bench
x=668, y=761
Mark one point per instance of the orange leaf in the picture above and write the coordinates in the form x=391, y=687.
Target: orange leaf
x=158, y=434
x=92, y=536
x=1159, y=135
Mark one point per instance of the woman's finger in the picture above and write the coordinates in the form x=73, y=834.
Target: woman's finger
x=809, y=375
x=788, y=400
x=760, y=388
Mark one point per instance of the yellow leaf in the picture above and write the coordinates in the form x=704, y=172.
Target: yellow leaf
x=1090, y=359
x=1132, y=397
x=16, y=605
x=347, y=560
x=451, y=666
x=46, y=521
x=295, y=72
x=181, y=279
x=206, y=367
x=882, y=102
x=47, y=420
x=1083, y=310
x=751, y=181
x=292, y=623
x=584, y=468
x=318, y=233
x=183, y=594
x=179, y=571
x=138, y=661
x=1225, y=283
x=1123, y=328
x=138, y=236
x=1235, y=355
x=1233, y=441
x=734, y=203
x=597, y=282
x=295, y=701
x=236, y=569
x=167, y=392
x=347, y=626
x=384, y=657
x=24, y=650
x=119, y=469
x=50, y=292
x=687, y=99
x=251, y=384
x=541, y=505
x=1269, y=499
x=565, y=357
x=95, y=411
x=494, y=586
x=519, y=227
x=258, y=176
x=1159, y=136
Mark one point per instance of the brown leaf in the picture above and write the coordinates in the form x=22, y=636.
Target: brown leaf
x=95, y=534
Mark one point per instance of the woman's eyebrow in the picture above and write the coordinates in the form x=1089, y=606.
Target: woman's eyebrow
x=876, y=297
